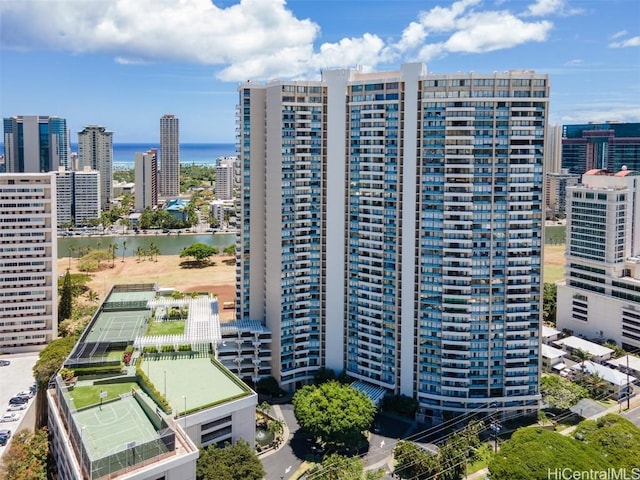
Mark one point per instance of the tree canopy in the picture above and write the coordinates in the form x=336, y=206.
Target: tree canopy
x=26, y=458
x=333, y=412
x=549, y=303
x=229, y=463
x=561, y=393
x=338, y=467
x=199, y=251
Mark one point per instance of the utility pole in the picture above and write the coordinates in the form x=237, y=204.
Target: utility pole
x=495, y=427
x=627, y=385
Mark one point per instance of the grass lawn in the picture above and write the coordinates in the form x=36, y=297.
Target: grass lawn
x=552, y=273
x=170, y=327
x=90, y=395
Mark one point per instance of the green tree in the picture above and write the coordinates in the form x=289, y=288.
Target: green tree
x=65, y=305
x=531, y=453
x=323, y=375
x=201, y=252
x=26, y=458
x=615, y=437
x=124, y=249
x=230, y=250
x=338, y=467
x=413, y=461
x=549, y=303
x=333, y=412
x=49, y=361
x=232, y=462
x=561, y=393
x=595, y=384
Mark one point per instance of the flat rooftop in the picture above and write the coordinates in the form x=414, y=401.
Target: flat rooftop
x=196, y=382
x=110, y=428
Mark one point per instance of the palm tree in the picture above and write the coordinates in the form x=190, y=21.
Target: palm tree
x=583, y=356
x=112, y=251
x=595, y=384
x=139, y=253
x=124, y=248
x=93, y=296
x=71, y=250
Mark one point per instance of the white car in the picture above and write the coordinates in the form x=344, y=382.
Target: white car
x=9, y=417
x=14, y=408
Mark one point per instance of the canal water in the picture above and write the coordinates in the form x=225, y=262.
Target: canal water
x=168, y=244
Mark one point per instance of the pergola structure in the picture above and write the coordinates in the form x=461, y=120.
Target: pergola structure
x=202, y=326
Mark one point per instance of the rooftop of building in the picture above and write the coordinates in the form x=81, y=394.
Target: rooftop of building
x=627, y=361
x=548, y=351
x=129, y=414
x=614, y=377
x=577, y=343
x=549, y=331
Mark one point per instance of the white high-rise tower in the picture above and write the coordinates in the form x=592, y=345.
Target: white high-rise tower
x=95, y=151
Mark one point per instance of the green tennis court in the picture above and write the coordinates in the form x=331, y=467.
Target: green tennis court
x=118, y=326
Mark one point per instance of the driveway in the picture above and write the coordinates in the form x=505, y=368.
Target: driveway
x=281, y=465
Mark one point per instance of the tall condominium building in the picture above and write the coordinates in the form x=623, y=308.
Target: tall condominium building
x=600, y=296
x=28, y=259
x=601, y=146
x=78, y=197
x=225, y=177
x=35, y=144
x=169, y=156
x=95, y=151
x=556, y=192
x=391, y=226
x=553, y=149
x=146, y=179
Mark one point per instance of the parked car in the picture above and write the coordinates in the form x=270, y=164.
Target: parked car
x=5, y=435
x=13, y=408
x=4, y=363
x=18, y=400
x=9, y=417
x=25, y=393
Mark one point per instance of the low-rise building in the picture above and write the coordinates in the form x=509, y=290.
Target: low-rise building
x=549, y=334
x=552, y=358
x=628, y=364
x=618, y=384
x=597, y=353
x=143, y=402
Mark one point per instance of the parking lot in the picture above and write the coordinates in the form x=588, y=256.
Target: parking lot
x=14, y=378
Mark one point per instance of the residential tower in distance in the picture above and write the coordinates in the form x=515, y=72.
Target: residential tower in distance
x=35, y=144
x=169, y=156
x=391, y=226
x=28, y=261
x=146, y=179
x=95, y=151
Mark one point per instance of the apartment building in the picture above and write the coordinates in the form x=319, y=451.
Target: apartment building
x=225, y=177
x=28, y=261
x=599, y=297
x=35, y=144
x=391, y=226
x=556, y=192
x=146, y=179
x=95, y=151
x=78, y=197
x=169, y=156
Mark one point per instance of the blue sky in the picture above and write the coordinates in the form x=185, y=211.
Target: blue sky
x=124, y=63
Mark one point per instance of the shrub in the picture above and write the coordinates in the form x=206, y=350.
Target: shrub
x=150, y=350
x=167, y=349
x=184, y=348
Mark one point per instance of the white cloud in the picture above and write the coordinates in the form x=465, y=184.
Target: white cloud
x=619, y=34
x=253, y=39
x=487, y=31
x=574, y=63
x=629, y=42
x=543, y=8
x=601, y=113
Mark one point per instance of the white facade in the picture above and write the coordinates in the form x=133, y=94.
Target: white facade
x=556, y=192
x=169, y=156
x=146, y=179
x=95, y=150
x=413, y=261
x=36, y=144
x=78, y=197
x=28, y=261
x=225, y=177
x=600, y=296
x=86, y=196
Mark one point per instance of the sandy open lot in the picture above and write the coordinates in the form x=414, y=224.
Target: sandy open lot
x=218, y=279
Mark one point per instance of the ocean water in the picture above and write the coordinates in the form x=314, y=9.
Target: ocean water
x=190, y=153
